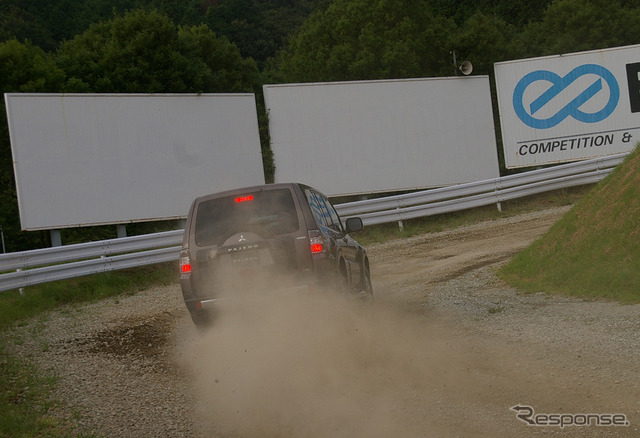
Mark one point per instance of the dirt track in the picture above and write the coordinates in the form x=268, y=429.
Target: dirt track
x=446, y=351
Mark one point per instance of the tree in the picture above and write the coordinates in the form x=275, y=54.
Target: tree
x=515, y=12
x=47, y=23
x=485, y=39
x=579, y=25
x=259, y=28
x=520, y=12
x=369, y=39
x=134, y=53
x=226, y=70
x=17, y=23
x=144, y=52
x=27, y=68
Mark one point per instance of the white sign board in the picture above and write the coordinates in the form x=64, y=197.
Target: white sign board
x=87, y=159
x=376, y=136
x=570, y=107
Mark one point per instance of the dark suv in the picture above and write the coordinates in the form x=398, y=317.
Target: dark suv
x=275, y=236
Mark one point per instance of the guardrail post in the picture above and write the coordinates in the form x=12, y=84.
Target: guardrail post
x=20, y=290
x=121, y=229
x=56, y=239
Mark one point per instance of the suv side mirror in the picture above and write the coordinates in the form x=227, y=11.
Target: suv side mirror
x=354, y=224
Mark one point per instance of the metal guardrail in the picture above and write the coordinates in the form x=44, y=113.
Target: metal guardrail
x=103, y=248
x=480, y=193
x=62, y=262
x=26, y=268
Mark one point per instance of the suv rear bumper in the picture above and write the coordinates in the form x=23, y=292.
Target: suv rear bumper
x=204, y=310
x=213, y=303
x=197, y=304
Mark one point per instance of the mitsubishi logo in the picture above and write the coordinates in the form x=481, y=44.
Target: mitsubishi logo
x=242, y=238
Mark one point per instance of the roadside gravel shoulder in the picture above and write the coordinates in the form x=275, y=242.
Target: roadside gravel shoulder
x=115, y=365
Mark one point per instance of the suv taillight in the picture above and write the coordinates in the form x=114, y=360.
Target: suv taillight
x=316, y=242
x=185, y=263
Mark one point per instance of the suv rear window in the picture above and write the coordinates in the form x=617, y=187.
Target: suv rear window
x=267, y=213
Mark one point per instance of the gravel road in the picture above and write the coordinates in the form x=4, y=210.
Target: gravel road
x=446, y=351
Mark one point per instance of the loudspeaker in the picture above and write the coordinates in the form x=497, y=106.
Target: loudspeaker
x=466, y=68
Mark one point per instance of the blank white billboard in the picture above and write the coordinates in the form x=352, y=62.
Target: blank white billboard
x=569, y=107
x=375, y=136
x=92, y=159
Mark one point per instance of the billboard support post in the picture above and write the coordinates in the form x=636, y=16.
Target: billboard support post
x=56, y=238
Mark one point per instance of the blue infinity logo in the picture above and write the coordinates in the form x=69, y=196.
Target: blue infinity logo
x=558, y=85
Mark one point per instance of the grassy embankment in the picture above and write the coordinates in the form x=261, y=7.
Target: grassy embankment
x=594, y=250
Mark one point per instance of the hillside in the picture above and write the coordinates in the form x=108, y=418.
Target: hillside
x=594, y=250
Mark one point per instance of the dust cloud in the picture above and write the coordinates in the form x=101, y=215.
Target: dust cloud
x=319, y=366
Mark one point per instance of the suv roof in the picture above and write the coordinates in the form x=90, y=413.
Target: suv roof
x=273, y=208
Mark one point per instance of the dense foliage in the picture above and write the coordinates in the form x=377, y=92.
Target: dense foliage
x=144, y=52
x=257, y=27
x=365, y=39
x=236, y=45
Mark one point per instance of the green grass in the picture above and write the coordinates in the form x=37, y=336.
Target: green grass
x=24, y=401
x=34, y=300
x=593, y=252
